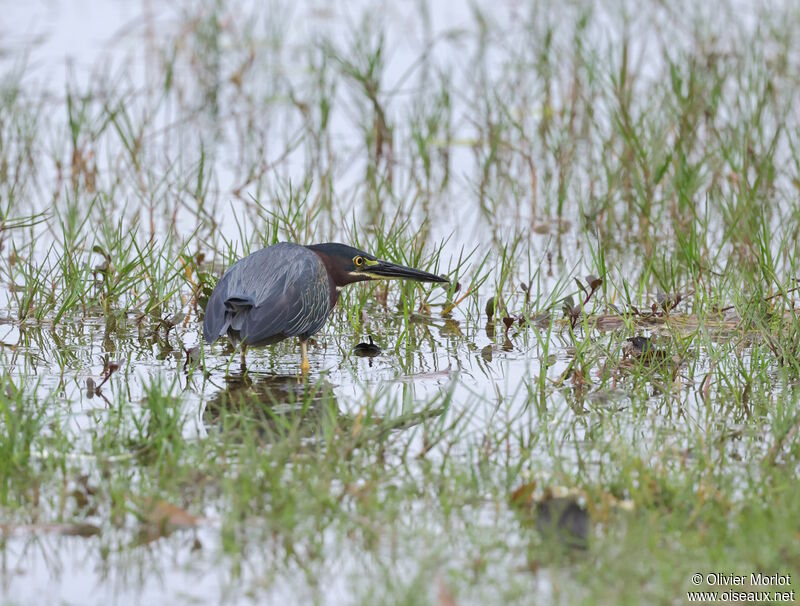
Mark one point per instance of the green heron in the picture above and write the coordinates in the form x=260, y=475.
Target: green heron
x=288, y=290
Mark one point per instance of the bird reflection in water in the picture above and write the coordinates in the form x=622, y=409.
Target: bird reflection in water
x=281, y=409
x=278, y=404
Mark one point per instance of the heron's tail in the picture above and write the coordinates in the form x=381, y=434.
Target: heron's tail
x=224, y=316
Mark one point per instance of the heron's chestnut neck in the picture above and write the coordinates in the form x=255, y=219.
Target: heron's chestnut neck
x=337, y=275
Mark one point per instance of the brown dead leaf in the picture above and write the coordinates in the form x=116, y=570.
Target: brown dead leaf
x=444, y=595
x=76, y=529
x=80, y=530
x=522, y=497
x=168, y=517
x=160, y=518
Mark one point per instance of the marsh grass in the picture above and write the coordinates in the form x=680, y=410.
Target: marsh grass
x=602, y=174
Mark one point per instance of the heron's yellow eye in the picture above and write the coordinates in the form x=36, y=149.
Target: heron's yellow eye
x=359, y=261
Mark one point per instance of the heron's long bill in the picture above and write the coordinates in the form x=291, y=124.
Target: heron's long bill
x=385, y=269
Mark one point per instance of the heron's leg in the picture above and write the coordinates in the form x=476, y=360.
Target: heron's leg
x=304, y=364
x=243, y=362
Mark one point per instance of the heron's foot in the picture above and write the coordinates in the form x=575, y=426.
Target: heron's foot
x=305, y=365
x=243, y=359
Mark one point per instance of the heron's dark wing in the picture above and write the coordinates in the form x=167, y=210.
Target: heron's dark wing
x=300, y=309
x=217, y=318
x=274, y=293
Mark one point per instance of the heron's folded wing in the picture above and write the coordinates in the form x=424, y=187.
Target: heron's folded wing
x=274, y=293
x=299, y=308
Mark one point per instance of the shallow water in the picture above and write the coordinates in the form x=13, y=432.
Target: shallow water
x=219, y=158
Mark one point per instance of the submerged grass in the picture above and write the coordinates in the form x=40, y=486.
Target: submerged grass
x=602, y=403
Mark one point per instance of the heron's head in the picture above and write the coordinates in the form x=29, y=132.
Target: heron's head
x=346, y=265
